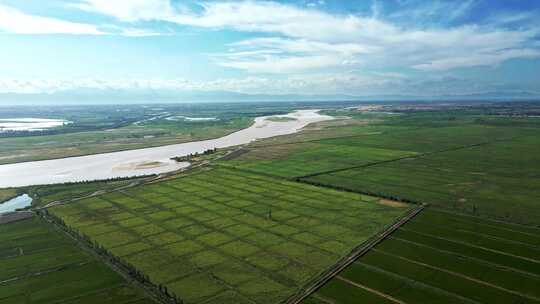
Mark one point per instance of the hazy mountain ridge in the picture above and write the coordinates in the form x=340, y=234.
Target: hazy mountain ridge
x=106, y=96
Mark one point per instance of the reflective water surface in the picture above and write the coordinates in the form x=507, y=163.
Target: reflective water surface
x=144, y=161
x=15, y=203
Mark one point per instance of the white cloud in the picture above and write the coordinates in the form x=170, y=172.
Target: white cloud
x=135, y=32
x=375, y=9
x=278, y=55
x=387, y=83
x=271, y=17
x=522, y=19
x=488, y=59
x=17, y=22
x=317, y=39
x=305, y=46
x=433, y=11
x=315, y=3
x=313, y=39
x=14, y=21
x=128, y=10
x=463, y=7
x=289, y=64
x=112, y=29
x=294, y=84
x=306, y=39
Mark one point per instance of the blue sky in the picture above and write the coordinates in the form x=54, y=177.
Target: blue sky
x=363, y=48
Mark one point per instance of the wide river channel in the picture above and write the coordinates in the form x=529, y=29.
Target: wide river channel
x=144, y=161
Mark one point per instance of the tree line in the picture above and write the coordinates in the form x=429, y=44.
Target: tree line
x=159, y=290
x=190, y=156
x=370, y=193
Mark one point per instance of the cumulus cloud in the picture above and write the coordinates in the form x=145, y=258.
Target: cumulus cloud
x=313, y=39
x=303, y=39
x=16, y=22
x=316, y=39
x=302, y=48
x=288, y=20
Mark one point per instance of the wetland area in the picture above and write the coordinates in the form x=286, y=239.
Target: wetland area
x=144, y=161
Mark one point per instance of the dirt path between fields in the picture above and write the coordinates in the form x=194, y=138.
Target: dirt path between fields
x=409, y=157
x=323, y=299
x=476, y=246
x=43, y=272
x=380, y=294
x=356, y=253
x=461, y=256
x=459, y=275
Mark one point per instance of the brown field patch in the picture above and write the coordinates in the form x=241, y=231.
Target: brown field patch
x=392, y=203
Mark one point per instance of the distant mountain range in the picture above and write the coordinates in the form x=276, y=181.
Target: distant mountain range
x=106, y=96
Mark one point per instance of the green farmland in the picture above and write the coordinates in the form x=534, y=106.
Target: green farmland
x=6, y=194
x=151, y=134
x=269, y=152
x=43, y=195
x=226, y=236
x=473, y=169
x=487, y=179
x=463, y=163
x=40, y=265
x=262, y=222
x=311, y=157
x=109, y=128
x=446, y=258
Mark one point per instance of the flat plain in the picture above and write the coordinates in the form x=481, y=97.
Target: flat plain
x=485, y=179
x=446, y=258
x=40, y=265
x=454, y=161
x=117, y=128
x=259, y=224
x=226, y=236
x=479, y=173
x=43, y=195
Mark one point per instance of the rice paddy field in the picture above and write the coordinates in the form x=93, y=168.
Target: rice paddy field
x=222, y=235
x=296, y=160
x=480, y=176
x=461, y=163
x=446, y=258
x=267, y=220
x=498, y=179
x=40, y=265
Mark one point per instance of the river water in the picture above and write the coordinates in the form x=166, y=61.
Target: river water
x=30, y=124
x=144, y=161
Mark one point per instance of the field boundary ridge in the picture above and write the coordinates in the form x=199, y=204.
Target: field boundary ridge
x=356, y=253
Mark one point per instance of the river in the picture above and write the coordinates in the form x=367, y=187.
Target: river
x=144, y=161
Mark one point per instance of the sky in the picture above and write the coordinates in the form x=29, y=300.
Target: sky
x=305, y=47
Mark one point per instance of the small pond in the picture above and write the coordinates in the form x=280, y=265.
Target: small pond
x=15, y=203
